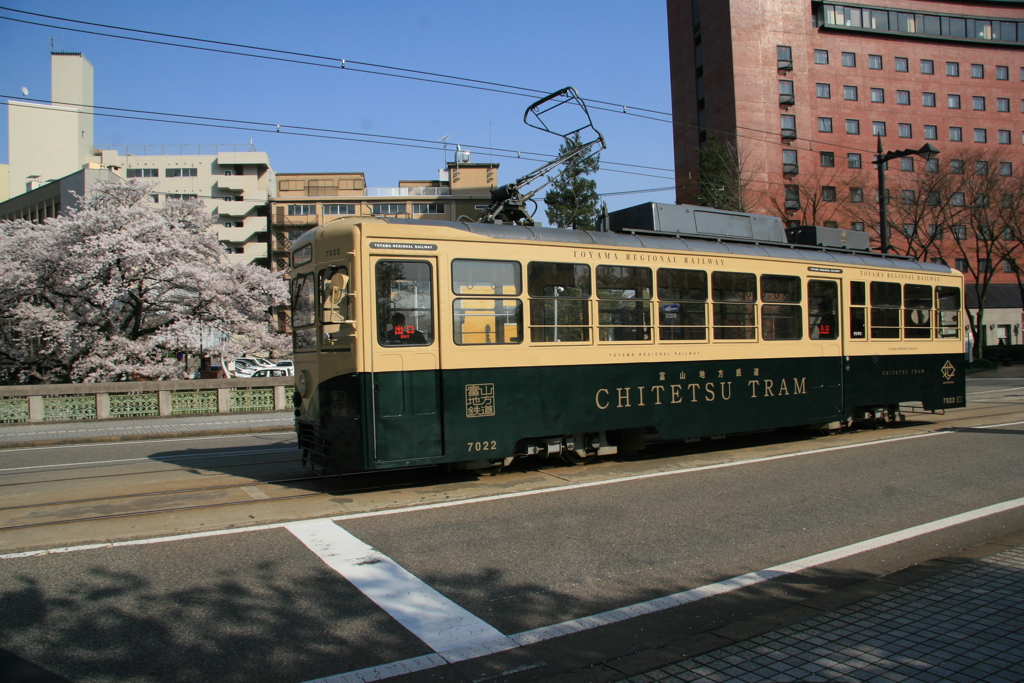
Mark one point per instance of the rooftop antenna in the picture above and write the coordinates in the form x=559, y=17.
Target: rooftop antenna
x=444, y=141
x=507, y=203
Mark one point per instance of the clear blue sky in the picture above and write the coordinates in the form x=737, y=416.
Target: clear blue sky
x=612, y=51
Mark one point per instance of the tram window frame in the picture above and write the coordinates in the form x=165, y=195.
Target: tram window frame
x=392, y=327
x=947, y=304
x=303, y=303
x=917, y=311
x=822, y=309
x=781, y=309
x=620, y=316
x=886, y=304
x=858, y=311
x=546, y=291
x=333, y=290
x=481, y=296
x=302, y=255
x=685, y=301
x=734, y=306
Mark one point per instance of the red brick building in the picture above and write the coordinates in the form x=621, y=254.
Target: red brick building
x=802, y=88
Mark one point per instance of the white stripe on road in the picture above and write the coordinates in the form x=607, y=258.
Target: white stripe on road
x=564, y=628
x=430, y=616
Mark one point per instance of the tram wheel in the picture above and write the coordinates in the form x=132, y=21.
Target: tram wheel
x=488, y=471
x=574, y=458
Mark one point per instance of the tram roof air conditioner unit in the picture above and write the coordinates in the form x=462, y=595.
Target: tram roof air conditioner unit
x=698, y=221
x=830, y=238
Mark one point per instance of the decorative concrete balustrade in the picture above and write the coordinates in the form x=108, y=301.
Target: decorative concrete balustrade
x=115, y=400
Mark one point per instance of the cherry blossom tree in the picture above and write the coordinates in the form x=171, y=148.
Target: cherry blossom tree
x=116, y=288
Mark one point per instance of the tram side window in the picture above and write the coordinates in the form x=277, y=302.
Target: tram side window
x=624, y=303
x=405, y=303
x=478, y=315
x=304, y=311
x=733, y=311
x=334, y=308
x=886, y=299
x=858, y=310
x=917, y=311
x=823, y=304
x=302, y=256
x=781, y=316
x=559, y=301
x=948, y=300
x=682, y=304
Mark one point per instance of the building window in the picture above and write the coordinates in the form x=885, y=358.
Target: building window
x=902, y=97
x=980, y=168
x=143, y=173
x=857, y=225
x=850, y=93
x=956, y=134
x=928, y=99
x=849, y=59
x=1003, y=104
x=789, y=162
x=788, y=127
x=339, y=209
x=875, y=62
x=935, y=232
x=980, y=135
x=824, y=124
x=931, y=166
x=878, y=95
x=1002, y=73
x=952, y=68
x=984, y=265
x=786, y=95
x=1009, y=266
x=1004, y=137
x=155, y=198
x=853, y=126
x=909, y=197
x=927, y=66
x=182, y=196
x=933, y=198
x=428, y=208
x=857, y=195
x=785, y=57
x=792, y=197
x=902, y=64
x=302, y=209
x=959, y=199
x=878, y=128
x=905, y=131
x=907, y=164
x=959, y=232
x=853, y=160
x=821, y=56
x=961, y=265
x=956, y=166
x=828, y=193
x=953, y=101
x=824, y=91
x=931, y=132
x=180, y=173
x=388, y=209
x=828, y=159
x=977, y=71
x=978, y=103
x=1006, y=168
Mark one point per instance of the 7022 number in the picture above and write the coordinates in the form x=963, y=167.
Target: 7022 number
x=474, y=446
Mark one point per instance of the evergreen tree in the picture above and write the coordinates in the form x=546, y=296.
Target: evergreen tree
x=722, y=184
x=573, y=201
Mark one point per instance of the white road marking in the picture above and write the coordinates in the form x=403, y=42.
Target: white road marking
x=471, y=501
x=155, y=458
x=538, y=635
x=430, y=616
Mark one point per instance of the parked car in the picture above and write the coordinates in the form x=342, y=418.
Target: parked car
x=273, y=372
x=286, y=364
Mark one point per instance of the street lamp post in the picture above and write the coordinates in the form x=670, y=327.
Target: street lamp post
x=927, y=152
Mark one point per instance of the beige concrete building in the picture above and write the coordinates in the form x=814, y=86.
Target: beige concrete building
x=305, y=200
x=49, y=141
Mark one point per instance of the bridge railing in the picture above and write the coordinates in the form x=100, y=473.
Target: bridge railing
x=116, y=400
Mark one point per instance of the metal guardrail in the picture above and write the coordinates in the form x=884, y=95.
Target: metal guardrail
x=114, y=400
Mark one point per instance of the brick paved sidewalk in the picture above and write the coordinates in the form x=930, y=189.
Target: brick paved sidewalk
x=54, y=433
x=965, y=624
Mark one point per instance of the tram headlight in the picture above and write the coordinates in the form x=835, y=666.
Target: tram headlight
x=304, y=384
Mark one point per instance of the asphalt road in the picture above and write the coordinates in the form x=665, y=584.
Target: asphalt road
x=511, y=555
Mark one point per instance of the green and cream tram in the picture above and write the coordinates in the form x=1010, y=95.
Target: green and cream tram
x=421, y=342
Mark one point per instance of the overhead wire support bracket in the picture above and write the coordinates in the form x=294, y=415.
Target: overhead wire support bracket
x=508, y=204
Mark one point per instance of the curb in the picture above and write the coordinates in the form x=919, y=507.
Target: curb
x=43, y=443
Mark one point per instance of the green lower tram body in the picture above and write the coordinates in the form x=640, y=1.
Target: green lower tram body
x=480, y=415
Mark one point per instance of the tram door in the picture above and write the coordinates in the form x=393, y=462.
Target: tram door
x=406, y=360
x=824, y=305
